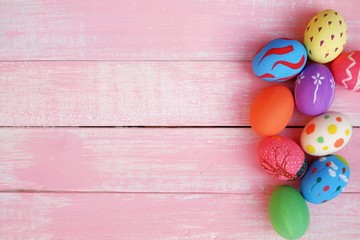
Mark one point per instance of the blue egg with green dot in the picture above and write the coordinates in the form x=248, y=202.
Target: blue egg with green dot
x=325, y=179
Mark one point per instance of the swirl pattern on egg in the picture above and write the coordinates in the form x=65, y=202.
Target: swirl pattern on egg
x=279, y=60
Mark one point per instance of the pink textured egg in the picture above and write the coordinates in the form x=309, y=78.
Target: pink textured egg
x=282, y=158
x=346, y=70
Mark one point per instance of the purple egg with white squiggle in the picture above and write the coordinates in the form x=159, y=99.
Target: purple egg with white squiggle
x=314, y=89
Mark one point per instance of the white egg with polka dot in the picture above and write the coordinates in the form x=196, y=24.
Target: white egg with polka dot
x=326, y=134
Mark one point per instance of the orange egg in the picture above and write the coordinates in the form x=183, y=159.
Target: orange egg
x=271, y=110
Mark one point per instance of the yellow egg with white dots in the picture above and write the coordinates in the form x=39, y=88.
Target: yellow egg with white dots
x=325, y=36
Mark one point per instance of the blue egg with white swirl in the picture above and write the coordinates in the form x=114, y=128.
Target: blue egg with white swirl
x=325, y=179
x=279, y=60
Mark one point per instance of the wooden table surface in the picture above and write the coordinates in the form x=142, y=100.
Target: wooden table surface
x=129, y=119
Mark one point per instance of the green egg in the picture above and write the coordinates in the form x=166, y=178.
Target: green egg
x=289, y=213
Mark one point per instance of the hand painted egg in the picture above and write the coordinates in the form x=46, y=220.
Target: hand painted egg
x=289, y=213
x=326, y=134
x=346, y=70
x=325, y=179
x=325, y=36
x=279, y=60
x=314, y=89
x=282, y=158
x=271, y=110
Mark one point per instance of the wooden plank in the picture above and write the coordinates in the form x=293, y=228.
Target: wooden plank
x=156, y=30
x=137, y=94
x=142, y=160
x=163, y=216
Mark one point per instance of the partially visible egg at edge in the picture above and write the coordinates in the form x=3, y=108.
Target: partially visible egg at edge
x=346, y=70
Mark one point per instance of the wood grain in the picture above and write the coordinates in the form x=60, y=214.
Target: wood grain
x=156, y=30
x=155, y=64
x=163, y=216
x=142, y=160
x=138, y=94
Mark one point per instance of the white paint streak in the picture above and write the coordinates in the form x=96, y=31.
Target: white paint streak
x=357, y=85
x=347, y=70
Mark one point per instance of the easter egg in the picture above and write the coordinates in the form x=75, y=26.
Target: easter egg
x=271, y=110
x=314, y=89
x=325, y=36
x=289, y=213
x=346, y=70
x=282, y=158
x=279, y=60
x=325, y=179
x=326, y=134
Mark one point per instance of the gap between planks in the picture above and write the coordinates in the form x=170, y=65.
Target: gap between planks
x=129, y=126
x=127, y=61
x=137, y=127
x=32, y=191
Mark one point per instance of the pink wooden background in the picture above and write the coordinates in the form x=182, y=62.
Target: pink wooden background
x=129, y=119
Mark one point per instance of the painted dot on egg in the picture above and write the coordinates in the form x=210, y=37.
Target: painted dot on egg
x=320, y=140
x=332, y=128
x=326, y=116
x=344, y=161
x=339, y=119
x=310, y=129
x=347, y=132
x=325, y=148
x=310, y=149
x=338, y=143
